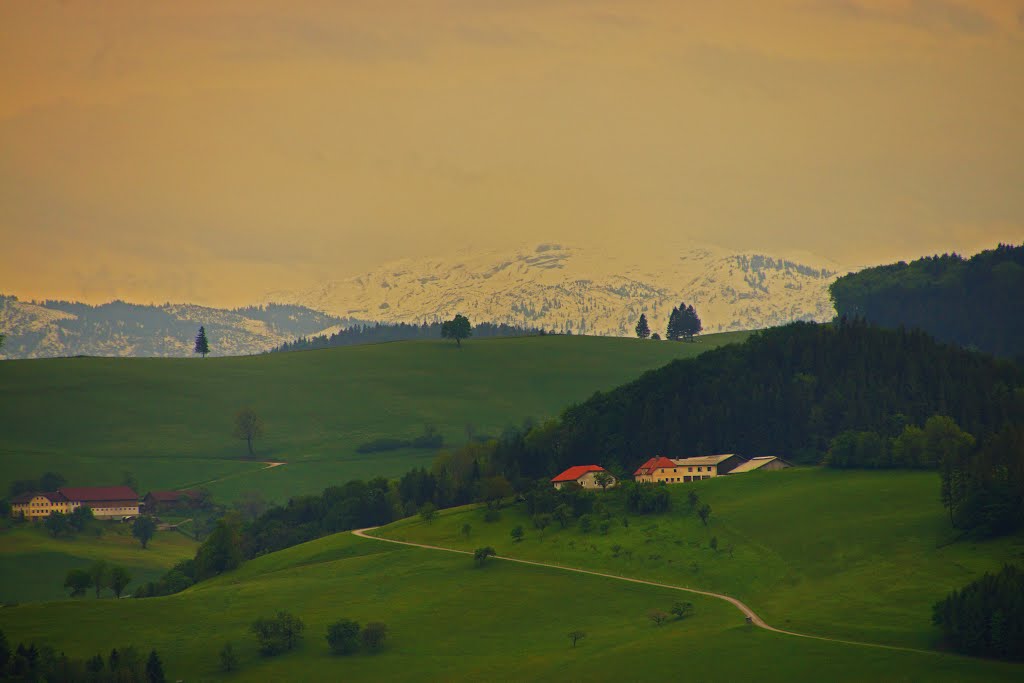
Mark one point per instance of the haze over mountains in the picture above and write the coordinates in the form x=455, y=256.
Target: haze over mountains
x=556, y=287
x=583, y=290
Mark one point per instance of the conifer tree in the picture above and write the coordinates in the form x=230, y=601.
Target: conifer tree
x=673, y=333
x=642, y=329
x=202, y=345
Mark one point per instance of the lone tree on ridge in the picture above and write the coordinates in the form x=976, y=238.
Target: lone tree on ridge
x=248, y=426
x=643, y=330
x=458, y=328
x=202, y=344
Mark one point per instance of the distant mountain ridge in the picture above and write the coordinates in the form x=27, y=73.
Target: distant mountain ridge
x=570, y=289
x=62, y=328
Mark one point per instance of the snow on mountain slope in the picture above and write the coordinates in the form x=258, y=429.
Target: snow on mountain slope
x=587, y=292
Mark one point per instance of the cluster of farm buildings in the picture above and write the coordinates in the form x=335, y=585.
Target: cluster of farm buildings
x=660, y=469
x=106, y=502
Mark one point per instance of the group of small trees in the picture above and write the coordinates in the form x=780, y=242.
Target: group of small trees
x=33, y=662
x=283, y=632
x=345, y=637
x=683, y=323
x=680, y=610
x=99, y=576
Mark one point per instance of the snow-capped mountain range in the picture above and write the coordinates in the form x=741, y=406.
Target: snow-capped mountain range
x=564, y=288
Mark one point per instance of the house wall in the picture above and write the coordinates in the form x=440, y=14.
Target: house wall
x=680, y=474
x=772, y=466
x=587, y=481
x=41, y=506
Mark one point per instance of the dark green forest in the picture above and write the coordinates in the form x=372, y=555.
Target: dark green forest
x=789, y=391
x=976, y=302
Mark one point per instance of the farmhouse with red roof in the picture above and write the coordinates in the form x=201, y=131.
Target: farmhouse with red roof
x=106, y=502
x=675, y=471
x=584, y=475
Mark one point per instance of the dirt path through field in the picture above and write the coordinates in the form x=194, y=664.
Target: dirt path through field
x=747, y=612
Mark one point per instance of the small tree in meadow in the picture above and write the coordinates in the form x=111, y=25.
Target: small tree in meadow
x=428, y=513
x=458, y=328
x=516, y=533
x=704, y=512
x=681, y=610
x=714, y=543
x=56, y=523
x=576, y=636
x=144, y=528
x=657, y=616
x=228, y=658
x=643, y=330
x=278, y=634
x=604, y=480
x=99, y=576
x=466, y=530
x=373, y=636
x=480, y=555
x=343, y=636
x=78, y=581
x=248, y=426
x=119, y=580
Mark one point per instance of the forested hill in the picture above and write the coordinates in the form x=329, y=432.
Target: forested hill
x=787, y=391
x=387, y=332
x=976, y=302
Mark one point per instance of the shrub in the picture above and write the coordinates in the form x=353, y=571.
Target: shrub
x=374, y=635
x=278, y=634
x=343, y=637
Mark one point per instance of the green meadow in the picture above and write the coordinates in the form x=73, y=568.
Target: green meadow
x=859, y=555
x=170, y=421
x=451, y=621
x=33, y=564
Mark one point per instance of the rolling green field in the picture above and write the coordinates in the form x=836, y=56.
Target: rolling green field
x=860, y=555
x=170, y=421
x=33, y=564
x=451, y=621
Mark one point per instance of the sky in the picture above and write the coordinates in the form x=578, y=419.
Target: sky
x=211, y=152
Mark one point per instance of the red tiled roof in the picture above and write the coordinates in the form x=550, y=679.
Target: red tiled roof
x=98, y=494
x=654, y=463
x=52, y=496
x=574, y=473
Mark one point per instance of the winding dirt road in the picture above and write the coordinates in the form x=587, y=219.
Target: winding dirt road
x=747, y=612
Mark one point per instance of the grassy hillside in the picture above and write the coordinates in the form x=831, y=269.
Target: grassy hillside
x=169, y=421
x=33, y=564
x=849, y=554
x=450, y=621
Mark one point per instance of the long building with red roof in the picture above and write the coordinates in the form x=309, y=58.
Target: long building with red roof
x=584, y=475
x=675, y=471
x=106, y=502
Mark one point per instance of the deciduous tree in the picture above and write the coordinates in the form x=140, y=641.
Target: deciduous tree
x=373, y=636
x=704, y=512
x=657, y=616
x=119, y=580
x=143, y=528
x=576, y=636
x=228, y=658
x=248, y=426
x=458, y=328
x=78, y=581
x=343, y=636
x=99, y=576
x=516, y=533
x=480, y=555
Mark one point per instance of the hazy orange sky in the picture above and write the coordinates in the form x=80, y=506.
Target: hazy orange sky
x=211, y=151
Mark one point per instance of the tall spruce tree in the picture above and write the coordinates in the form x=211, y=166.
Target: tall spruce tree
x=673, y=332
x=202, y=344
x=643, y=331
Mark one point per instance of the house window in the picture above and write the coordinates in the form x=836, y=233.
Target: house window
x=689, y=469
